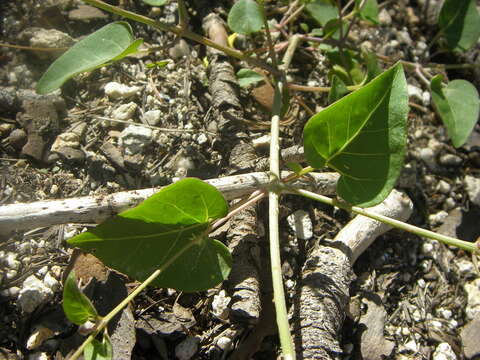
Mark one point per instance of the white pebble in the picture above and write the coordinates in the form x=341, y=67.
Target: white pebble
x=33, y=294
x=443, y=187
x=301, y=224
x=152, y=117
x=224, y=343
x=51, y=282
x=125, y=112
x=473, y=189
x=438, y=218
x=473, y=298
x=412, y=346
x=202, y=139
x=220, y=305
x=135, y=138
x=465, y=267
x=444, y=352
x=42, y=271
x=115, y=90
x=11, y=261
x=38, y=337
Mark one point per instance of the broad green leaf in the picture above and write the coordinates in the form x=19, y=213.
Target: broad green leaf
x=322, y=11
x=111, y=42
x=76, y=305
x=460, y=23
x=155, y=2
x=332, y=29
x=246, y=77
x=295, y=167
x=97, y=350
x=245, y=17
x=369, y=10
x=363, y=137
x=337, y=90
x=458, y=105
x=150, y=236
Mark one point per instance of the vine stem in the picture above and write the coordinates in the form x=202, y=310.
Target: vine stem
x=448, y=240
x=286, y=341
x=181, y=31
x=105, y=320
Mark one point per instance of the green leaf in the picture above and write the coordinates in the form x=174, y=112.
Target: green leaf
x=295, y=167
x=155, y=2
x=245, y=17
x=369, y=10
x=460, y=23
x=322, y=11
x=458, y=105
x=174, y=221
x=373, y=69
x=109, y=43
x=338, y=90
x=158, y=64
x=363, y=137
x=97, y=350
x=76, y=305
x=246, y=77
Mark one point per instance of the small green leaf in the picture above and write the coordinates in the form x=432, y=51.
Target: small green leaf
x=245, y=17
x=363, y=137
x=76, y=305
x=295, y=167
x=155, y=2
x=109, y=43
x=97, y=350
x=338, y=90
x=458, y=105
x=246, y=77
x=373, y=69
x=369, y=10
x=460, y=23
x=322, y=11
x=174, y=221
x=158, y=64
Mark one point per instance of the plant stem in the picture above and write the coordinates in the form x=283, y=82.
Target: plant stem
x=178, y=30
x=286, y=341
x=448, y=240
x=105, y=320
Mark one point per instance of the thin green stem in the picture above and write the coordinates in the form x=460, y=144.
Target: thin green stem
x=177, y=30
x=448, y=240
x=286, y=341
x=105, y=320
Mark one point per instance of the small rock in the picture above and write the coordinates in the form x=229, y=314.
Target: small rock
x=67, y=139
x=220, y=305
x=438, y=218
x=473, y=298
x=301, y=224
x=473, y=189
x=444, y=352
x=202, y=139
x=426, y=98
x=384, y=17
x=38, y=337
x=179, y=50
x=71, y=155
x=125, y=111
x=469, y=336
x=415, y=92
x=51, y=282
x=443, y=187
x=465, y=267
x=17, y=138
x=113, y=154
x=224, y=343
x=51, y=38
x=115, y=90
x=450, y=160
x=152, y=117
x=261, y=142
x=38, y=356
x=428, y=157
x=412, y=346
x=187, y=348
x=86, y=13
x=135, y=138
x=11, y=261
x=33, y=294
x=404, y=38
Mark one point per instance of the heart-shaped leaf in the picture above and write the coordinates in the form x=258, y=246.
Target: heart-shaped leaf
x=337, y=90
x=110, y=43
x=76, y=305
x=460, y=23
x=322, y=11
x=168, y=230
x=363, y=137
x=458, y=106
x=247, y=77
x=369, y=10
x=245, y=17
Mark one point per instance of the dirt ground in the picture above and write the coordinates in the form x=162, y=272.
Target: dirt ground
x=411, y=298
